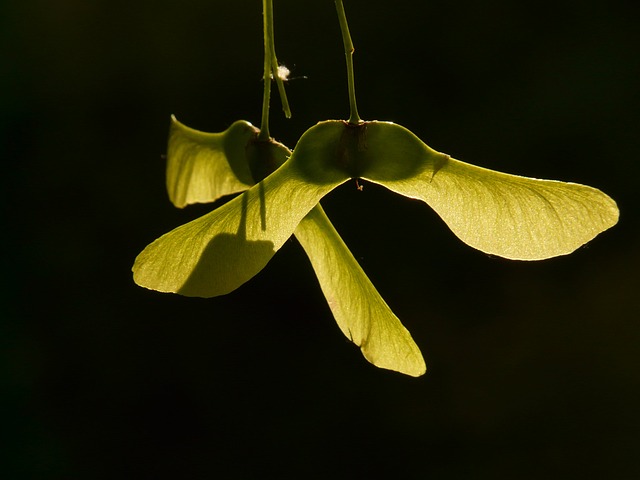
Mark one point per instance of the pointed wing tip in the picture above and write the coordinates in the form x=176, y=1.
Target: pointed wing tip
x=413, y=366
x=418, y=369
x=416, y=373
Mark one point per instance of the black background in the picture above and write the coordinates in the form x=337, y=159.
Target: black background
x=533, y=367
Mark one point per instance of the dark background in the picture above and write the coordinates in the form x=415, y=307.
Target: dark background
x=533, y=367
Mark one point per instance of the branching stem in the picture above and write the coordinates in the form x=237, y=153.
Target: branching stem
x=267, y=19
x=270, y=71
x=354, y=118
x=278, y=78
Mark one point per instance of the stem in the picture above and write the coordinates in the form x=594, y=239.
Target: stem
x=274, y=67
x=280, y=83
x=354, y=118
x=267, y=19
x=270, y=71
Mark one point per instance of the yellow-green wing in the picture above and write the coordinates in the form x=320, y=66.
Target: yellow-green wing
x=510, y=216
x=202, y=167
x=361, y=313
x=216, y=253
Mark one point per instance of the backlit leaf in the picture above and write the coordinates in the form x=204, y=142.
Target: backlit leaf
x=218, y=252
x=202, y=167
x=361, y=313
x=510, y=216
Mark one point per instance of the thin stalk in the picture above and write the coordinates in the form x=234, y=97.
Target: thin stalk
x=274, y=67
x=270, y=71
x=280, y=83
x=354, y=118
x=267, y=20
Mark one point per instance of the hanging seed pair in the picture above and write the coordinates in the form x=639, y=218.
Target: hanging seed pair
x=506, y=215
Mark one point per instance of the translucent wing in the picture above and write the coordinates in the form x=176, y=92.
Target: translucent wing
x=202, y=167
x=361, y=313
x=218, y=252
x=506, y=215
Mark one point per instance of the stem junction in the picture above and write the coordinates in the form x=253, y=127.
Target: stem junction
x=270, y=71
